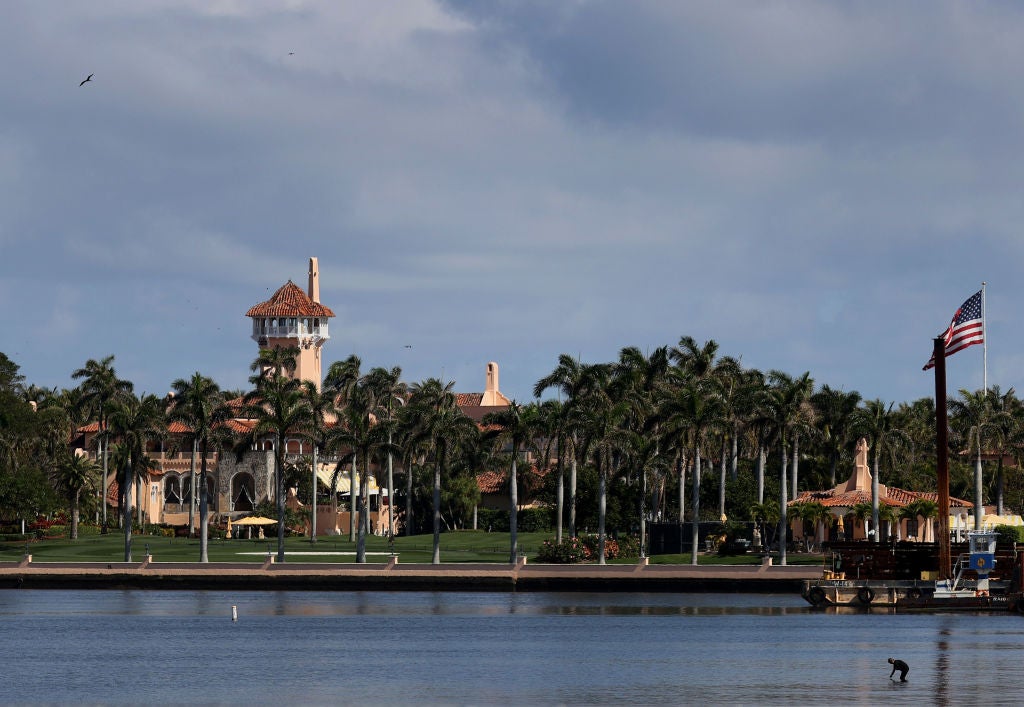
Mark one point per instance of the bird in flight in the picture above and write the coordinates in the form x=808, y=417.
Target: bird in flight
x=87, y=79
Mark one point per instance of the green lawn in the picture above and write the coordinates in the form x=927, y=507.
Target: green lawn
x=461, y=546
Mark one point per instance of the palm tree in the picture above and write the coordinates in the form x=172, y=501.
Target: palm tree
x=567, y=378
x=889, y=514
x=818, y=515
x=321, y=410
x=134, y=421
x=974, y=415
x=864, y=511
x=277, y=406
x=878, y=422
x=197, y=402
x=691, y=412
x=392, y=392
x=785, y=409
x=441, y=423
x=514, y=428
x=342, y=377
x=100, y=385
x=641, y=379
x=834, y=411
x=75, y=473
x=552, y=427
x=1006, y=424
x=599, y=412
x=360, y=432
x=921, y=508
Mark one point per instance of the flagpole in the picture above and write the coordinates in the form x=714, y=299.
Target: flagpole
x=984, y=340
x=942, y=457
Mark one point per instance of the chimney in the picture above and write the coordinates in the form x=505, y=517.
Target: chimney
x=314, y=280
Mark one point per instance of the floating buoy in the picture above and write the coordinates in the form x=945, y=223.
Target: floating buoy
x=234, y=613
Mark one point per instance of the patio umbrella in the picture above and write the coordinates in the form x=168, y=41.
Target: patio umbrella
x=255, y=520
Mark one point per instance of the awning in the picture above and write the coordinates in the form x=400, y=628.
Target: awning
x=324, y=472
x=255, y=520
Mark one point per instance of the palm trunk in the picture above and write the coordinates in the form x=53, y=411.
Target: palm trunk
x=721, y=483
x=643, y=511
x=126, y=515
x=734, y=456
x=75, y=514
x=694, y=524
x=204, y=515
x=408, y=499
x=760, y=473
x=796, y=466
x=513, y=492
x=437, y=514
x=192, y=493
x=364, y=510
x=352, y=500
x=572, y=491
x=312, y=521
x=999, y=486
x=279, y=483
x=601, y=507
x=783, y=520
x=833, y=463
x=560, y=498
x=391, y=493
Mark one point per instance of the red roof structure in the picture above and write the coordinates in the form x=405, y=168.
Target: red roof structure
x=289, y=301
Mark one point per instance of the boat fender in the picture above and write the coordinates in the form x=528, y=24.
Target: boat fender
x=914, y=593
x=816, y=595
x=865, y=595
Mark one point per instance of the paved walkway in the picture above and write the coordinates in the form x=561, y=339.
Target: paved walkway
x=395, y=575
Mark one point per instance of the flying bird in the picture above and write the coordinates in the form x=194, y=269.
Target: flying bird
x=87, y=79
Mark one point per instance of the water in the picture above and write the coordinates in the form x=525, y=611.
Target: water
x=139, y=647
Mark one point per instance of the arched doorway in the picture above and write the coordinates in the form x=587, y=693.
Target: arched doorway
x=243, y=492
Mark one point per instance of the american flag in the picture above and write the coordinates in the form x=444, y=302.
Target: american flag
x=966, y=329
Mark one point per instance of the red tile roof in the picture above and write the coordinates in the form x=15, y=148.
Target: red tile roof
x=289, y=301
x=894, y=497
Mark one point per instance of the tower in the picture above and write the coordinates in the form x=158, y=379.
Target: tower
x=292, y=317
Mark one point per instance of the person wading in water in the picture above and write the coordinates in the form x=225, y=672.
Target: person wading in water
x=901, y=666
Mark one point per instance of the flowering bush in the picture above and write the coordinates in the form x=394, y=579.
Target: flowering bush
x=611, y=547
x=567, y=552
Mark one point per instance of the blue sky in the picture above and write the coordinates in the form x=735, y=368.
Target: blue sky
x=815, y=186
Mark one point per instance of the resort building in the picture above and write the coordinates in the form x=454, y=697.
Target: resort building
x=850, y=496
x=237, y=485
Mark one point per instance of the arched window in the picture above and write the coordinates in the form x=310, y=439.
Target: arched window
x=172, y=490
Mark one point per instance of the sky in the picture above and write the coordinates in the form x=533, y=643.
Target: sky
x=814, y=186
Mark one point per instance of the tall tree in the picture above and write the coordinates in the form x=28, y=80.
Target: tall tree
x=197, y=403
x=341, y=379
x=322, y=412
x=692, y=411
x=441, y=423
x=100, y=385
x=567, y=378
x=392, y=394
x=835, y=409
x=134, y=421
x=877, y=422
x=277, y=406
x=75, y=473
x=514, y=428
x=785, y=408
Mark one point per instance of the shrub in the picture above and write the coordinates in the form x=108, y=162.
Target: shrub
x=611, y=547
x=1010, y=533
x=533, y=520
x=569, y=551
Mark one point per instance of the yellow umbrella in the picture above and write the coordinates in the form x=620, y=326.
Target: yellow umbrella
x=255, y=520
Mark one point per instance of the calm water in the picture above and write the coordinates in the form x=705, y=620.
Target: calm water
x=136, y=647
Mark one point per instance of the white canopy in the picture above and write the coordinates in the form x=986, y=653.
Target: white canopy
x=324, y=473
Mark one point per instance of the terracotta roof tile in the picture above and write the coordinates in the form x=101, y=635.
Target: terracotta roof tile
x=289, y=301
x=894, y=497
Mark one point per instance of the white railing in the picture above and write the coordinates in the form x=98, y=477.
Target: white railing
x=295, y=331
